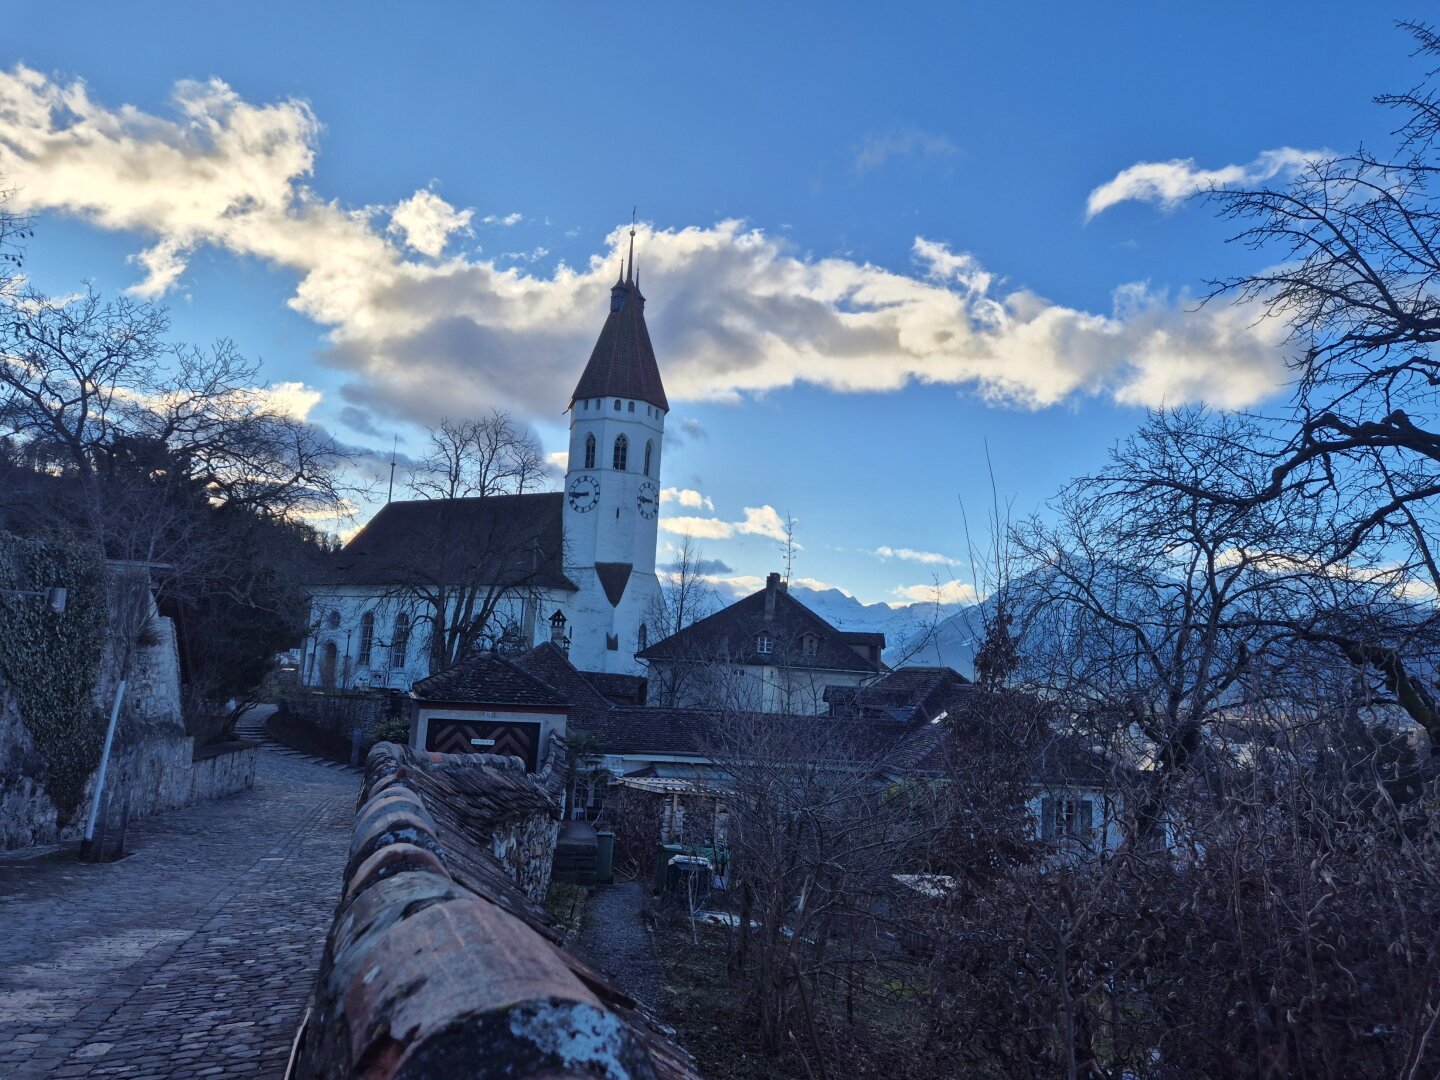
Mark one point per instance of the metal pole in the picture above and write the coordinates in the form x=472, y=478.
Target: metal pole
x=104, y=763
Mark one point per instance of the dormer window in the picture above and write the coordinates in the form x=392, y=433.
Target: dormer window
x=764, y=644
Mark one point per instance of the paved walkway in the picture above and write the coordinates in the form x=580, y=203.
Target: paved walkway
x=613, y=938
x=194, y=955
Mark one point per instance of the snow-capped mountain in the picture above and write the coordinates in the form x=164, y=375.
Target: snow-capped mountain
x=920, y=633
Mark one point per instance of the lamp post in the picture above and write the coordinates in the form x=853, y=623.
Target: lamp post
x=54, y=598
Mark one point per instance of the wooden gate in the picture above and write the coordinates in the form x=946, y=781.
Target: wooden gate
x=452, y=736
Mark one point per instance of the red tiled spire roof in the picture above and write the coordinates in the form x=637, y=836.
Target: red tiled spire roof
x=622, y=364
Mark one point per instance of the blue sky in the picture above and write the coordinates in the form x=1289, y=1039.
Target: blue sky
x=865, y=237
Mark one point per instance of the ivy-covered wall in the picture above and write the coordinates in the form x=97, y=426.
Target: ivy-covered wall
x=52, y=662
x=58, y=675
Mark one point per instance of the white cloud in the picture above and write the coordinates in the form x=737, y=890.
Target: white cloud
x=698, y=527
x=292, y=399
x=558, y=460
x=734, y=310
x=425, y=222
x=758, y=521
x=925, y=558
x=1170, y=183
x=762, y=521
x=687, y=497
x=943, y=592
x=501, y=219
x=877, y=150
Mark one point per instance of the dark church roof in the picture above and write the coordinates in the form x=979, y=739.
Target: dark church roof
x=487, y=678
x=622, y=364
x=732, y=634
x=498, y=539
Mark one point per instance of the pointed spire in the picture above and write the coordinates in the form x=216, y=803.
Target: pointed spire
x=630, y=275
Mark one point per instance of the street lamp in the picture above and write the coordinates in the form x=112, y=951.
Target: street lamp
x=54, y=598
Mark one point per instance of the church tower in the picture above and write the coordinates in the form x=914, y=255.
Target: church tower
x=612, y=488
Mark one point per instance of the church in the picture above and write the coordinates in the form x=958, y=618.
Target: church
x=576, y=566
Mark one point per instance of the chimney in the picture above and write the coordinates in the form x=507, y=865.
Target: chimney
x=773, y=585
x=557, y=632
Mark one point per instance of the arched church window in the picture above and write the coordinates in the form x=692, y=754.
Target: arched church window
x=622, y=452
x=617, y=404
x=367, y=636
x=632, y=406
x=649, y=450
x=589, y=451
x=644, y=637
x=332, y=620
x=329, y=657
x=401, y=642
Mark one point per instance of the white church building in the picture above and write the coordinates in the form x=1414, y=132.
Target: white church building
x=576, y=565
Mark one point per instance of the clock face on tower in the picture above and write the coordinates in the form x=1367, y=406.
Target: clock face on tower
x=584, y=494
x=648, y=500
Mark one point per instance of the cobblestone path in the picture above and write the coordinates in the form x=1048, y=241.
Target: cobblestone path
x=192, y=956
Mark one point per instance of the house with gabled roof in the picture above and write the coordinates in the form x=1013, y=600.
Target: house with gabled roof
x=767, y=652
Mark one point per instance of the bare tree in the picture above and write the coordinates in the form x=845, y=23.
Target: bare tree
x=495, y=455
x=484, y=556
x=1351, y=246
x=155, y=452
x=812, y=849
x=1145, y=604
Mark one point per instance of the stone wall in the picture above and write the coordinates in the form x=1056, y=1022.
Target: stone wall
x=526, y=847
x=152, y=767
x=439, y=964
x=219, y=775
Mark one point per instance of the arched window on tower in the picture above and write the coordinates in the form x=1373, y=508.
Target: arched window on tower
x=649, y=450
x=622, y=452
x=589, y=451
x=644, y=637
x=367, y=637
x=400, y=644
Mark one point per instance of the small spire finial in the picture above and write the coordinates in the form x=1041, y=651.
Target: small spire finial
x=631, y=273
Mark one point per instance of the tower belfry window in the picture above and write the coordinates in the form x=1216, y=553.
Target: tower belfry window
x=617, y=404
x=622, y=452
x=589, y=451
x=649, y=450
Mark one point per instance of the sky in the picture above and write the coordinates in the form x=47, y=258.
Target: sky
x=902, y=262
